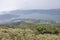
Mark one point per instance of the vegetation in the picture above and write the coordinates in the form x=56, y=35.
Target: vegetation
x=30, y=31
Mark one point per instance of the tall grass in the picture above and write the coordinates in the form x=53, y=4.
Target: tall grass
x=29, y=32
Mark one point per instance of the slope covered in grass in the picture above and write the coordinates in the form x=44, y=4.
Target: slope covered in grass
x=26, y=31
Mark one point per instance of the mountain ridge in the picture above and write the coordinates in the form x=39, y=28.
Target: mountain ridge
x=52, y=14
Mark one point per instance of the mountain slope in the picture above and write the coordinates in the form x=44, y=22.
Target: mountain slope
x=52, y=14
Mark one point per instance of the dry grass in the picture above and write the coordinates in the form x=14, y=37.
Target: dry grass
x=25, y=34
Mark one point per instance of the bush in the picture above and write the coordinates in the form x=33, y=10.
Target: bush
x=48, y=29
x=41, y=29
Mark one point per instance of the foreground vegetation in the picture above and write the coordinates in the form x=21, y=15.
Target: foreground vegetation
x=30, y=32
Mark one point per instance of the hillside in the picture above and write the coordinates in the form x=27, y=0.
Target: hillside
x=52, y=14
x=29, y=31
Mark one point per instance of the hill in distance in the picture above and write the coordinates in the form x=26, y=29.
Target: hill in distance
x=36, y=14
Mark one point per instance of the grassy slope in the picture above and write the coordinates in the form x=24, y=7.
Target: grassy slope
x=27, y=32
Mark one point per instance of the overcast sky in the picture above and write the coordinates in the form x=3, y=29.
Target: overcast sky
x=8, y=5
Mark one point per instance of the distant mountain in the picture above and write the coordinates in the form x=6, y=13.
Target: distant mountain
x=29, y=21
x=7, y=16
x=50, y=11
x=52, y=14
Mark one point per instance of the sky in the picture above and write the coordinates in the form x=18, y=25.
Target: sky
x=8, y=5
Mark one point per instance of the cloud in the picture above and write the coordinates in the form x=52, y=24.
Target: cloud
x=38, y=4
x=8, y=5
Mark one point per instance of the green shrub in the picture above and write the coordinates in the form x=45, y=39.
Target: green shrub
x=48, y=29
x=41, y=29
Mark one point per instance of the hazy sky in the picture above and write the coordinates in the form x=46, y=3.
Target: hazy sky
x=7, y=5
